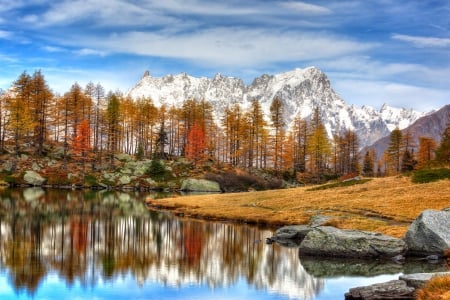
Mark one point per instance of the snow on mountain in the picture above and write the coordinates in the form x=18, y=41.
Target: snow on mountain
x=300, y=90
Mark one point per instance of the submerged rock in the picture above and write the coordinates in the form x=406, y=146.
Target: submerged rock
x=429, y=234
x=394, y=289
x=419, y=279
x=333, y=242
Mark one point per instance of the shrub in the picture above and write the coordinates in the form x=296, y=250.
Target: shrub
x=430, y=175
x=438, y=288
x=241, y=181
x=158, y=172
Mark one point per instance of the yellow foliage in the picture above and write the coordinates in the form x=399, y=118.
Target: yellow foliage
x=438, y=288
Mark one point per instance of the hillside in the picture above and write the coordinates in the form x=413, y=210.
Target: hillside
x=386, y=205
x=431, y=125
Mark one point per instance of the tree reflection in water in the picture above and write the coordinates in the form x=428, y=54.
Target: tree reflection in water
x=85, y=236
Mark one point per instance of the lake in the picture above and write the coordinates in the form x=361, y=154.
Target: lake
x=57, y=244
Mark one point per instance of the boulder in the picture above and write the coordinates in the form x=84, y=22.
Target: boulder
x=124, y=179
x=33, y=178
x=394, y=289
x=333, y=242
x=289, y=236
x=429, y=234
x=419, y=279
x=200, y=185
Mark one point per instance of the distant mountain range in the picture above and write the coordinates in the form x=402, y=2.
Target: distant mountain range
x=300, y=90
x=431, y=125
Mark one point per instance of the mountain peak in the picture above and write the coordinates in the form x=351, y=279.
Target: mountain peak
x=301, y=90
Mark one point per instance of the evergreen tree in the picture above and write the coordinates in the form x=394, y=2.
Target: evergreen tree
x=368, y=164
x=443, y=151
x=277, y=118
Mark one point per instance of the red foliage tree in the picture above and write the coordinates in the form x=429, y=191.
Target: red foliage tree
x=195, y=144
x=81, y=144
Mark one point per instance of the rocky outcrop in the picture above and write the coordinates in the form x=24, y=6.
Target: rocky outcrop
x=429, y=234
x=403, y=288
x=419, y=279
x=33, y=178
x=333, y=242
x=200, y=185
x=394, y=289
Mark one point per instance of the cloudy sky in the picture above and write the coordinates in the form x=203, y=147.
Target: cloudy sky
x=374, y=52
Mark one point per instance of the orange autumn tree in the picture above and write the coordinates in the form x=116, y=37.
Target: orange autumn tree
x=82, y=145
x=195, y=144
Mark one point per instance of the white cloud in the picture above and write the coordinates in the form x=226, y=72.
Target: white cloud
x=87, y=51
x=421, y=41
x=306, y=8
x=376, y=93
x=5, y=34
x=228, y=46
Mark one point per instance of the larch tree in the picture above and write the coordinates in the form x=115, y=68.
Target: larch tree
x=319, y=147
x=300, y=140
x=426, y=153
x=41, y=99
x=81, y=145
x=20, y=121
x=196, y=144
x=394, y=150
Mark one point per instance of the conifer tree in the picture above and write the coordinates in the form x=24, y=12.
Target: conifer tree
x=319, y=147
x=394, y=150
x=81, y=145
x=113, y=126
x=196, y=145
x=368, y=164
x=426, y=154
x=277, y=118
x=443, y=151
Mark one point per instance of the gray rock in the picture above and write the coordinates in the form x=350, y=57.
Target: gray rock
x=200, y=185
x=124, y=179
x=333, y=242
x=318, y=220
x=419, y=279
x=33, y=178
x=429, y=233
x=394, y=289
x=293, y=232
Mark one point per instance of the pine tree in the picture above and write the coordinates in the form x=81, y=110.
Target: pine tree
x=113, y=126
x=277, y=118
x=443, y=151
x=368, y=164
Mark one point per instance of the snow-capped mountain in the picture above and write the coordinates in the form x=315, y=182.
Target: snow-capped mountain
x=300, y=90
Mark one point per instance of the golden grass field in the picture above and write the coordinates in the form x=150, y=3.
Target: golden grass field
x=385, y=205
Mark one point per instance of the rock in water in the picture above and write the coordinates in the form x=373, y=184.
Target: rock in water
x=429, y=234
x=333, y=242
x=394, y=289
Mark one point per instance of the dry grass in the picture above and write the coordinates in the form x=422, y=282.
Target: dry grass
x=438, y=288
x=385, y=205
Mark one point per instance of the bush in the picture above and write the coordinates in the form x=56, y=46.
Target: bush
x=430, y=175
x=157, y=171
x=437, y=288
x=241, y=182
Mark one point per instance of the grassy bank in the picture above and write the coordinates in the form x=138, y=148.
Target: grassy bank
x=385, y=205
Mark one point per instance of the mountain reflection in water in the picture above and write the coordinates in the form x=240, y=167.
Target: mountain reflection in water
x=88, y=238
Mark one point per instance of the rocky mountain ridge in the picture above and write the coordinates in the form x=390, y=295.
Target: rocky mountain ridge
x=300, y=90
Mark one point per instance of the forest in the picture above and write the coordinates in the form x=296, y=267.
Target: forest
x=92, y=126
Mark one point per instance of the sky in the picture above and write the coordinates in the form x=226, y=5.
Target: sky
x=374, y=52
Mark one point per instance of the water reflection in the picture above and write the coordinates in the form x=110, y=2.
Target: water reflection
x=89, y=238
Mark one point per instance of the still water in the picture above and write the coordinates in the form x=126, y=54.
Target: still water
x=108, y=245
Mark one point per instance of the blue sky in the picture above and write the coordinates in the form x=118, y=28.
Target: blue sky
x=374, y=52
